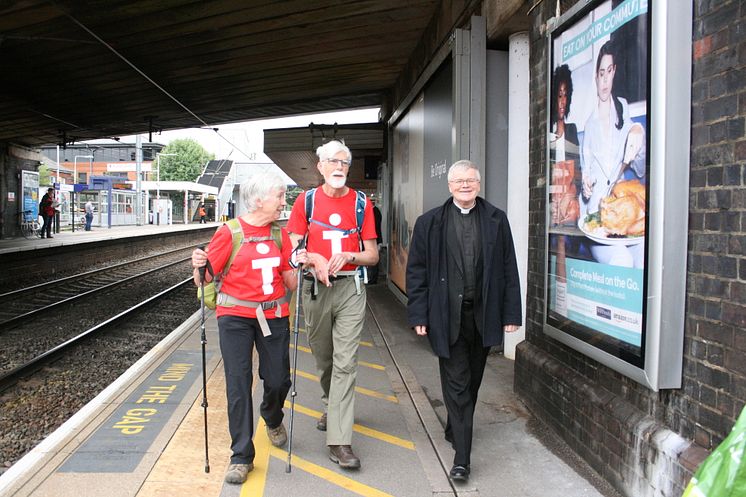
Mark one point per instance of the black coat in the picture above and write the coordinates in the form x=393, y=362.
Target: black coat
x=427, y=277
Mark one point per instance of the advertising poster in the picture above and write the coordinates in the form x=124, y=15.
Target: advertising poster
x=421, y=157
x=30, y=195
x=598, y=137
x=406, y=202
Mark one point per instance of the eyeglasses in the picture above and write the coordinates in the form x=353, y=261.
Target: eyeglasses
x=339, y=162
x=467, y=181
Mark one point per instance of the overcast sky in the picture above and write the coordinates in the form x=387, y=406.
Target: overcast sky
x=238, y=141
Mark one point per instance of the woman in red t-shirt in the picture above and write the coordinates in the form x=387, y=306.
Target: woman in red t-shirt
x=253, y=310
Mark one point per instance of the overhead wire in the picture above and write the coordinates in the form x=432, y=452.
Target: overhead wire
x=147, y=78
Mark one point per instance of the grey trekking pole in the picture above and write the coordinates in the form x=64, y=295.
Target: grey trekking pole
x=203, y=339
x=296, y=323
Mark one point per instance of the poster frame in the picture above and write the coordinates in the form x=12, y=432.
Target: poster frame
x=669, y=129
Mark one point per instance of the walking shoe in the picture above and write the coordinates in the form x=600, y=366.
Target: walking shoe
x=343, y=455
x=460, y=472
x=321, y=423
x=237, y=473
x=278, y=436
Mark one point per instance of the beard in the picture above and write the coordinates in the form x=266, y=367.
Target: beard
x=336, y=181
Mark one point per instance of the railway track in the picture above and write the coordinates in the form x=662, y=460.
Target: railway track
x=41, y=391
x=21, y=305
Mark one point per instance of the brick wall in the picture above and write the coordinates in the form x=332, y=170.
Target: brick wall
x=648, y=443
x=11, y=183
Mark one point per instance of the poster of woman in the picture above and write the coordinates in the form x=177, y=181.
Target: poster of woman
x=597, y=174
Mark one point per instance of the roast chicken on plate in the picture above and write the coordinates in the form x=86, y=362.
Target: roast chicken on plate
x=622, y=212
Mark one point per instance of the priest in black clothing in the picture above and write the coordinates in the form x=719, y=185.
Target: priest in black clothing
x=463, y=294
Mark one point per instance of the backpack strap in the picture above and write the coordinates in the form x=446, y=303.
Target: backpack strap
x=237, y=234
x=360, y=200
x=275, y=236
x=309, y=204
x=359, y=212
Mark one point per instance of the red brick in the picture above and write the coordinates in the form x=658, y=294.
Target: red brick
x=702, y=47
x=692, y=457
x=740, y=150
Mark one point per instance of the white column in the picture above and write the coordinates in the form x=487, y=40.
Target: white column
x=518, y=167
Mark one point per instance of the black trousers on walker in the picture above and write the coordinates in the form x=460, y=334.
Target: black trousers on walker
x=238, y=336
x=460, y=378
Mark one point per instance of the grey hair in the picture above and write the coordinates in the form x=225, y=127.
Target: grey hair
x=463, y=165
x=332, y=148
x=258, y=187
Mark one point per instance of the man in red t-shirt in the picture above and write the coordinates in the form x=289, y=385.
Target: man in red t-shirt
x=46, y=206
x=334, y=299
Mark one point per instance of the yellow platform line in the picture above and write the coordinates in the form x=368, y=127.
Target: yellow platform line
x=363, y=430
x=329, y=475
x=362, y=342
x=254, y=484
x=360, y=390
x=370, y=365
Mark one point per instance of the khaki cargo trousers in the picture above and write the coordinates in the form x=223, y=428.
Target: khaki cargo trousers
x=334, y=322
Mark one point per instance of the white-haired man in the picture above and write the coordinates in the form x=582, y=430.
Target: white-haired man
x=463, y=294
x=334, y=294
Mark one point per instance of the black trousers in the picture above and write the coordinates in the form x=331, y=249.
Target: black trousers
x=460, y=378
x=238, y=336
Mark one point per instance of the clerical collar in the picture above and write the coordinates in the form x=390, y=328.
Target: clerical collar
x=467, y=210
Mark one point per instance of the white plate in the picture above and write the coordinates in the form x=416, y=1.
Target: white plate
x=633, y=240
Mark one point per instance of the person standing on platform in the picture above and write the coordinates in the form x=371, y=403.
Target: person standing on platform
x=47, y=211
x=253, y=310
x=88, y=215
x=334, y=296
x=202, y=214
x=463, y=294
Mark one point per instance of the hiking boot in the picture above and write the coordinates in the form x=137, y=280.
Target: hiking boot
x=343, y=455
x=237, y=473
x=278, y=436
x=321, y=423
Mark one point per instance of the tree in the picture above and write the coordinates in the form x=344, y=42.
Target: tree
x=292, y=194
x=45, y=175
x=187, y=164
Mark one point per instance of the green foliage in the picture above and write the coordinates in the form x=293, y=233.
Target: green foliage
x=291, y=194
x=187, y=164
x=45, y=175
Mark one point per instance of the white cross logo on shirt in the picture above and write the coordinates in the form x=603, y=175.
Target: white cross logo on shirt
x=333, y=235
x=266, y=264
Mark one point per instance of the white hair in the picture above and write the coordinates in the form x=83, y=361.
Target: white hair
x=258, y=187
x=463, y=165
x=332, y=148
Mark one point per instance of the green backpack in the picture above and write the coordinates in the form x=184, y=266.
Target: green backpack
x=212, y=288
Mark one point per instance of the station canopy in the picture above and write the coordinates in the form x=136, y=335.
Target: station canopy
x=76, y=70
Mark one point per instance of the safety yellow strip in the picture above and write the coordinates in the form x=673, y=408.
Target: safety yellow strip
x=329, y=475
x=363, y=343
x=361, y=363
x=371, y=365
x=254, y=484
x=363, y=430
x=361, y=390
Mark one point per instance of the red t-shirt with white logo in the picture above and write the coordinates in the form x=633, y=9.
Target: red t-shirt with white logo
x=256, y=271
x=337, y=212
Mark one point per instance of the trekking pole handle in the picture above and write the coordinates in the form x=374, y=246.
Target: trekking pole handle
x=203, y=268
